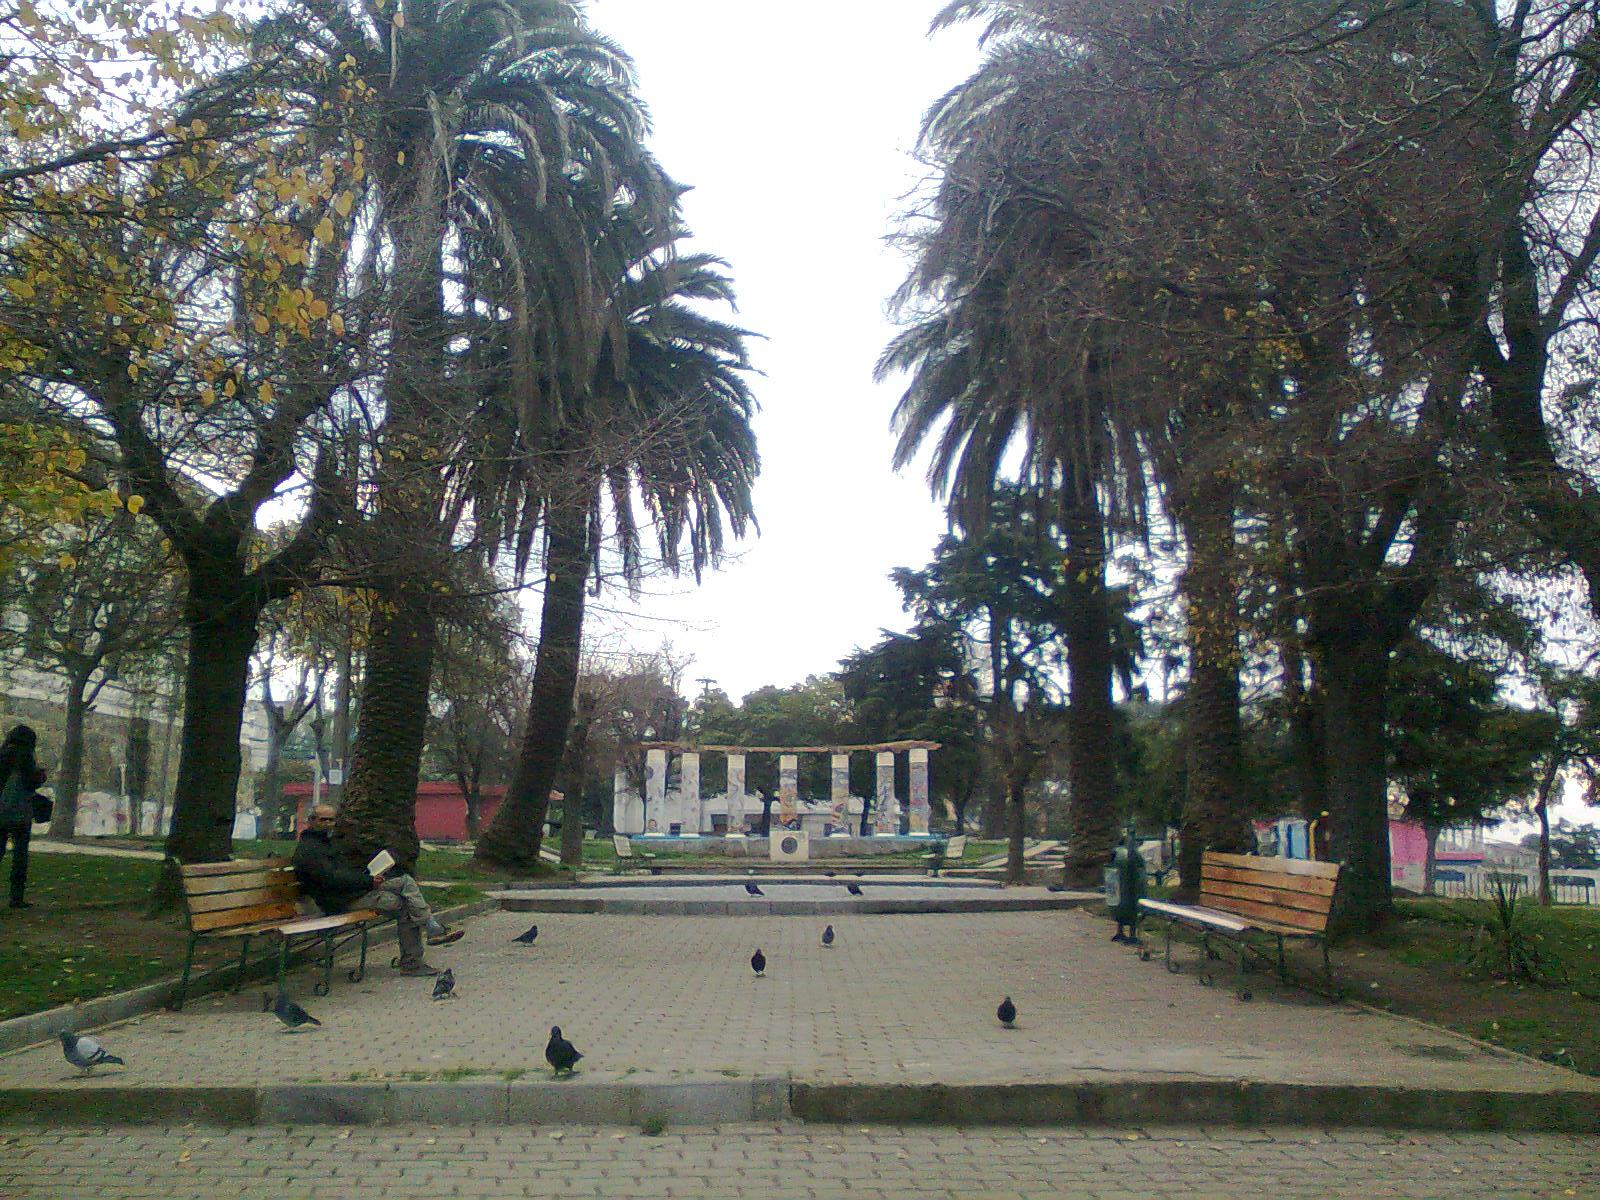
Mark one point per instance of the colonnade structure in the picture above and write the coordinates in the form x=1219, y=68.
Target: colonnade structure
x=659, y=808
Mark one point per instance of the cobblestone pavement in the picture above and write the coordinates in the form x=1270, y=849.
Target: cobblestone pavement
x=906, y=999
x=777, y=1162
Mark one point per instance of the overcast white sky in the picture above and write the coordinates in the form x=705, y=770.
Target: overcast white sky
x=796, y=125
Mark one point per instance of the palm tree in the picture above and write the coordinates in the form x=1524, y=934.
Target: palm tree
x=504, y=123
x=665, y=425
x=991, y=367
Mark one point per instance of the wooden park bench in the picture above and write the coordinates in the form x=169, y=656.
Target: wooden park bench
x=947, y=851
x=254, y=898
x=629, y=858
x=1254, y=903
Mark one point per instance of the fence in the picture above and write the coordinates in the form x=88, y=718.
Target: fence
x=1478, y=883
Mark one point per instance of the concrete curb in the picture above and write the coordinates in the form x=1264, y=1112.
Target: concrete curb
x=101, y=1101
x=33, y=1028
x=783, y=908
x=1203, y=1103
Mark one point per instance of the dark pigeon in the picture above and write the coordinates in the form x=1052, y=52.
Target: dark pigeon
x=560, y=1053
x=758, y=964
x=853, y=888
x=287, y=1011
x=1007, y=1012
x=827, y=936
x=753, y=890
x=444, y=987
x=85, y=1053
x=527, y=939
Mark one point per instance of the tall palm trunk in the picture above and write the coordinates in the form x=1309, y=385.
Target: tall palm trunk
x=1091, y=758
x=574, y=778
x=513, y=838
x=378, y=804
x=1213, y=813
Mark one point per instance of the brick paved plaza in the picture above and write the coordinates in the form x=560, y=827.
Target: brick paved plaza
x=899, y=999
x=767, y=1162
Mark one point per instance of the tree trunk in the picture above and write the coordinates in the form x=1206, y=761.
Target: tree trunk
x=1353, y=678
x=340, y=750
x=222, y=634
x=378, y=806
x=574, y=775
x=1542, y=807
x=1091, y=755
x=1017, y=829
x=269, y=795
x=1430, y=860
x=136, y=758
x=514, y=836
x=1305, y=733
x=1214, y=808
x=69, y=771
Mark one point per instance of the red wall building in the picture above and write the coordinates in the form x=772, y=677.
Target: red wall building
x=441, y=808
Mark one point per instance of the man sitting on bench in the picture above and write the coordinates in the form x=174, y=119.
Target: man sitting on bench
x=338, y=887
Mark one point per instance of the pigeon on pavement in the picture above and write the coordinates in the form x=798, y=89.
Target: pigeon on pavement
x=827, y=936
x=85, y=1053
x=560, y=1053
x=853, y=888
x=758, y=963
x=287, y=1011
x=753, y=890
x=527, y=939
x=444, y=987
x=1007, y=1012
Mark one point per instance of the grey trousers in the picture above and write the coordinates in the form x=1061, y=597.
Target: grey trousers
x=399, y=895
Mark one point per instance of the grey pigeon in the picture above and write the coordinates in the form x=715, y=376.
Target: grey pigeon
x=1007, y=1012
x=560, y=1053
x=444, y=987
x=85, y=1053
x=758, y=963
x=287, y=1011
x=827, y=936
x=527, y=939
x=853, y=888
x=753, y=890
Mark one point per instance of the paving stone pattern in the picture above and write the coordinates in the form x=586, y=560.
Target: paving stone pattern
x=788, y=1162
x=899, y=999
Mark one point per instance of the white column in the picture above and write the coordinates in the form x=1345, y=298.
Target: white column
x=655, y=791
x=841, y=789
x=919, y=792
x=690, y=776
x=736, y=795
x=886, y=813
x=788, y=786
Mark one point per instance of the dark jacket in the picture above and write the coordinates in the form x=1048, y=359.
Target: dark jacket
x=331, y=883
x=19, y=776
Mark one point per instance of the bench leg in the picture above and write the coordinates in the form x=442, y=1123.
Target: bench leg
x=360, y=972
x=1207, y=954
x=1244, y=992
x=244, y=961
x=1283, y=967
x=326, y=984
x=283, y=963
x=1171, y=966
x=1327, y=970
x=176, y=1003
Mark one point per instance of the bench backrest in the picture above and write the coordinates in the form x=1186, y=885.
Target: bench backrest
x=1285, y=891
x=623, y=845
x=246, y=892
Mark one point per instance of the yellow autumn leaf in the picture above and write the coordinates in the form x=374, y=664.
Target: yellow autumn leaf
x=336, y=323
x=318, y=309
x=324, y=231
x=343, y=203
x=262, y=324
x=265, y=393
x=399, y=19
x=66, y=562
x=401, y=158
x=20, y=288
x=136, y=504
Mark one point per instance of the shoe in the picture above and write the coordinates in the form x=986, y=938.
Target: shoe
x=22, y=904
x=418, y=969
x=445, y=937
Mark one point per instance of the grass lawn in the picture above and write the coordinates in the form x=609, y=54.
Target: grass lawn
x=87, y=934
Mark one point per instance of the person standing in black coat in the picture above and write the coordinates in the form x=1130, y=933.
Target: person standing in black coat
x=19, y=777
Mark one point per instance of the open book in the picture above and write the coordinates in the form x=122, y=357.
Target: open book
x=381, y=862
